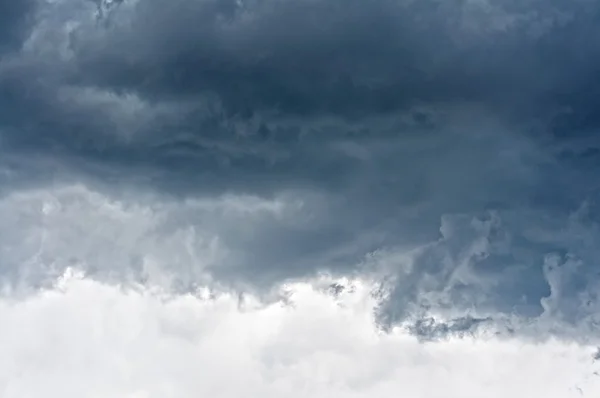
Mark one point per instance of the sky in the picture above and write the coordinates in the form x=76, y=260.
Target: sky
x=303, y=198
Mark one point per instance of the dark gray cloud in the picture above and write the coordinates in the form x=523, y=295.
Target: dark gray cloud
x=461, y=132
x=239, y=68
x=430, y=329
x=347, y=58
x=14, y=18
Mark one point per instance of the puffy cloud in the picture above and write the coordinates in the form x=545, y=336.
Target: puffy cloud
x=86, y=339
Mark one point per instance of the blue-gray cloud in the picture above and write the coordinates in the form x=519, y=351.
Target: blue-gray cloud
x=460, y=132
x=14, y=23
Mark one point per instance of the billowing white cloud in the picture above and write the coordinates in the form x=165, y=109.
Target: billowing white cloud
x=82, y=338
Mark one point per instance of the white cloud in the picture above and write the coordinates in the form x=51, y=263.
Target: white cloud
x=87, y=339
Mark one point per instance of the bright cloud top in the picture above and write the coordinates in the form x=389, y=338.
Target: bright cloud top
x=87, y=339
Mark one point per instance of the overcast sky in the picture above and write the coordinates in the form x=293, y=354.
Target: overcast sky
x=304, y=198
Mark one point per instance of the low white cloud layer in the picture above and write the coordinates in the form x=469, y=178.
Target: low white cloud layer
x=83, y=338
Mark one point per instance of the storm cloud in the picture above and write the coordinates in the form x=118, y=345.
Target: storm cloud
x=444, y=150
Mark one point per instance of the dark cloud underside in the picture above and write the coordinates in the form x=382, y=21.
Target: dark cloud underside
x=13, y=23
x=461, y=132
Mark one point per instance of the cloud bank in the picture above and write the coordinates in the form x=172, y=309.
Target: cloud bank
x=444, y=151
x=84, y=338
